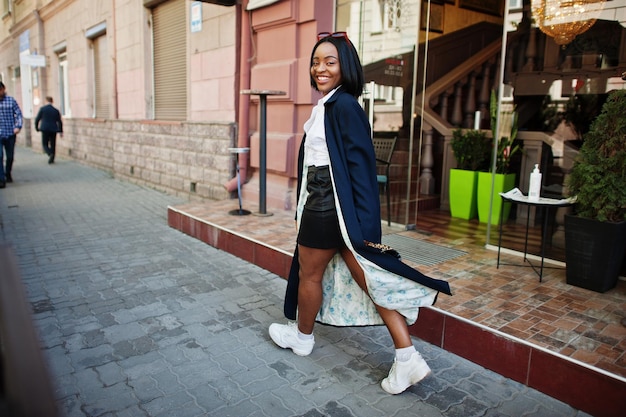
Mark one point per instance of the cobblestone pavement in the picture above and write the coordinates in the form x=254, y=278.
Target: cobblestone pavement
x=138, y=319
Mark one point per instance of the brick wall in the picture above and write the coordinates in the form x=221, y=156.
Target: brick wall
x=189, y=160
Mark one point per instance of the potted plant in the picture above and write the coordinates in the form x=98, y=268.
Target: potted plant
x=504, y=180
x=595, y=235
x=471, y=150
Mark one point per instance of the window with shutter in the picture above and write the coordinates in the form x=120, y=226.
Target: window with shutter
x=101, y=78
x=170, y=62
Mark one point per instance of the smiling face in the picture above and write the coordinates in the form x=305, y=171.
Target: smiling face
x=325, y=67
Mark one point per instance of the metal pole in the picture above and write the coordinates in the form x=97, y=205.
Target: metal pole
x=263, y=143
x=496, y=139
x=262, y=155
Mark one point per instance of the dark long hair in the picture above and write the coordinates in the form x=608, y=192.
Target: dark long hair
x=352, y=76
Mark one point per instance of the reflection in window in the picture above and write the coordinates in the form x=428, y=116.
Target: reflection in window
x=384, y=33
x=393, y=14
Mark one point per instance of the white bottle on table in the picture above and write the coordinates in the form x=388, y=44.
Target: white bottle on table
x=534, y=189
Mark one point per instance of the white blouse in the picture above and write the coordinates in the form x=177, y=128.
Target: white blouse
x=315, y=149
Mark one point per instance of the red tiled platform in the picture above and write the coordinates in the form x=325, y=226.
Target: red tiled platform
x=562, y=340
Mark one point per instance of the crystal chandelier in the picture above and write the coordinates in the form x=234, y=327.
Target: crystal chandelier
x=565, y=19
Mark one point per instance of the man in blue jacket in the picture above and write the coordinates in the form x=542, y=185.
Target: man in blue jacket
x=49, y=123
x=10, y=125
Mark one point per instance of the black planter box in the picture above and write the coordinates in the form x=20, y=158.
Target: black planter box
x=594, y=252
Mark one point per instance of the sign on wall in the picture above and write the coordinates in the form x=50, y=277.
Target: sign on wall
x=33, y=60
x=196, y=16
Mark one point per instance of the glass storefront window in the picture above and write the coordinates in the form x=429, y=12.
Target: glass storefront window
x=385, y=33
x=558, y=90
x=453, y=63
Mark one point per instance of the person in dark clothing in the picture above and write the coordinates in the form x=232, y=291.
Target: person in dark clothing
x=341, y=273
x=49, y=123
x=10, y=125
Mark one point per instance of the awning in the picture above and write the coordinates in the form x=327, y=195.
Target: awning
x=257, y=4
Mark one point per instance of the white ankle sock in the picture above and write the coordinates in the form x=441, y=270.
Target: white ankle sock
x=404, y=354
x=304, y=336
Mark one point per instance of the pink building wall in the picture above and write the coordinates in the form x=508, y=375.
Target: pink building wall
x=212, y=66
x=283, y=35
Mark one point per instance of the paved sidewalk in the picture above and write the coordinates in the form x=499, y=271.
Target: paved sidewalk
x=138, y=319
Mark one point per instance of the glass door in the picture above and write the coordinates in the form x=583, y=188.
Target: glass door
x=385, y=33
x=555, y=77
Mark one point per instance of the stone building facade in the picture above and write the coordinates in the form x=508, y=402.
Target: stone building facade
x=97, y=60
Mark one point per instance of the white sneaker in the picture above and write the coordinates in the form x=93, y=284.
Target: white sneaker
x=286, y=336
x=404, y=374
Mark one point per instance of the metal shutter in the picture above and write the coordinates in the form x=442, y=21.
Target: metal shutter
x=170, y=61
x=101, y=78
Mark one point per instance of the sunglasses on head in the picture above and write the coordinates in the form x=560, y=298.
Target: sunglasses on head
x=323, y=35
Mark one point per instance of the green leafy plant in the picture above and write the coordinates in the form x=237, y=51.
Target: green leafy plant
x=598, y=177
x=471, y=149
x=507, y=133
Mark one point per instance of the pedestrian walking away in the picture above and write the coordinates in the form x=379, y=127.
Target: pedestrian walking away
x=49, y=123
x=341, y=274
x=10, y=125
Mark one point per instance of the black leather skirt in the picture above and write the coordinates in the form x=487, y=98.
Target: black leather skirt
x=319, y=225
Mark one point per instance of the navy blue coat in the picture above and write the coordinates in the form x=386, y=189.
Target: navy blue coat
x=48, y=119
x=353, y=164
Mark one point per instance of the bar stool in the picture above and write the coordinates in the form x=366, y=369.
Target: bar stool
x=236, y=152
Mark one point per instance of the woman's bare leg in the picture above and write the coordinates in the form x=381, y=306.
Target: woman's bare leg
x=408, y=367
x=313, y=262
x=394, y=321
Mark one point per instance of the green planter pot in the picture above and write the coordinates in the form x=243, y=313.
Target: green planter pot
x=503, y=183
x=463, y=188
